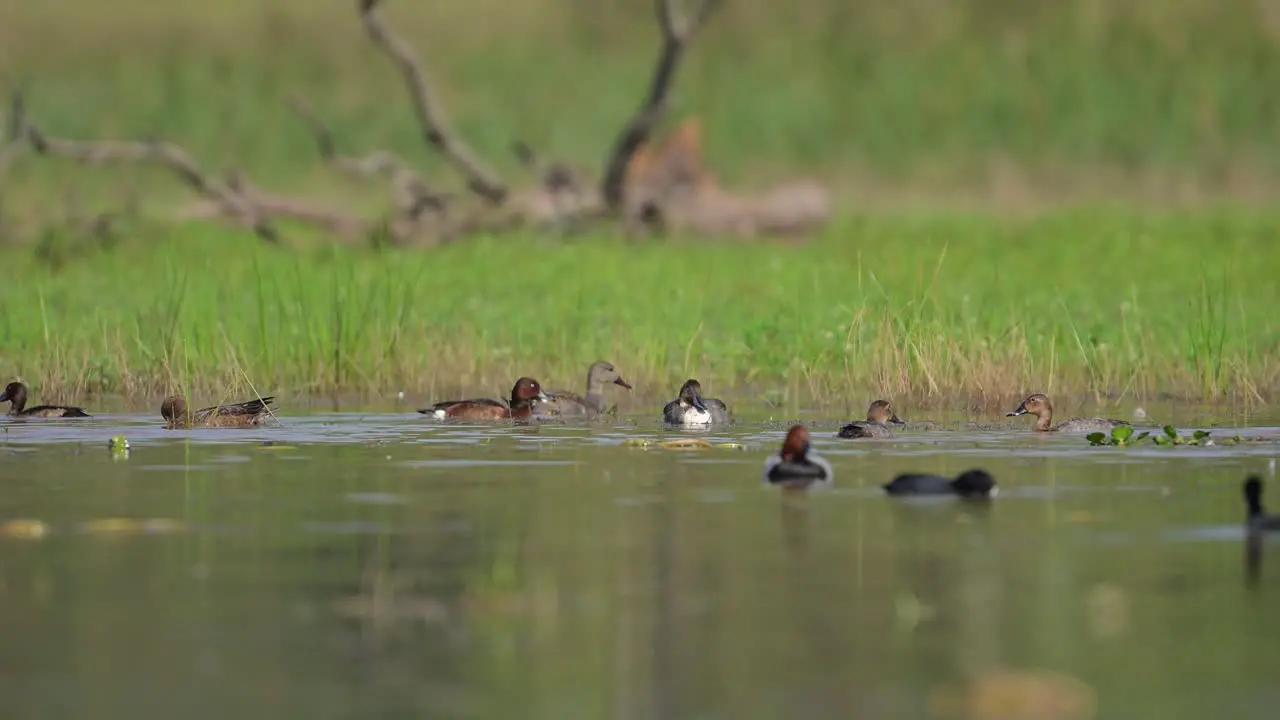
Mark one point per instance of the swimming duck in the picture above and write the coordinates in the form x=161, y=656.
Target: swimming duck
x=969, y=484
x=796, y=466
x=16, y=394
x=1258, y=520
x=246, y=414
x=564, y=402
x=523, y=394
x=1039, y=405
x=690, y=408
x=879, y=415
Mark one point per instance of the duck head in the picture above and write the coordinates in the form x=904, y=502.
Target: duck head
x=881, y=411
x=1037, y=404
x=796, y=445
x=974, y=484
x=173, y=408
x=16, y=393
x=691, y=394
x=525, y=391
x=602, y=373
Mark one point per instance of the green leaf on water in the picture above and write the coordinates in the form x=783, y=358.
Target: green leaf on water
x=1162, y=440
x=1200, y=434
x=1096, y=438
x=1122, y=433
x=1170, y=431
x=1142, y=436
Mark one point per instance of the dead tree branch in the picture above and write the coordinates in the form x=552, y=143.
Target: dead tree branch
x=412, y=194
x=168, y=155
x=15, y=131
x=435, y=127
x=677, y=33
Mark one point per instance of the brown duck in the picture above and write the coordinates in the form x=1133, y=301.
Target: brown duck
x=16, y=394
x=523, y=394
x=246, y=414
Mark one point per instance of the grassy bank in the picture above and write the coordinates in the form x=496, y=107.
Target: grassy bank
x=1022, y=102
x=939, y=308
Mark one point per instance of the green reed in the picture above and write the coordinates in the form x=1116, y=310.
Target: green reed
x=934, y=307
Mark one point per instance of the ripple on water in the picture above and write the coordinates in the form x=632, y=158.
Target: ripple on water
x=453, y=463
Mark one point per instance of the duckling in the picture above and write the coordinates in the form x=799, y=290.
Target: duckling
x=796, y=466
x=1039, y=405
x=245, y=414
x=1257, y=519
x=969, y=484
x=523, y=394
x=564, y=402
x=690, y=408
x=879, y=415
x=16, y=394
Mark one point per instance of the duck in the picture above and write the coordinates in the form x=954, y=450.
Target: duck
x=797, y=466
x=690, y=408
x=16, y=394
x=246, y=414
x=1257, y=519
x=1038, y=404
x=879, y=415
x=564, y=402
x=523, y=394
x=975, y=483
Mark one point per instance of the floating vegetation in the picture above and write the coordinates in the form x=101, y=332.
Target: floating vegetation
x=118, y=446
x=1168, y=437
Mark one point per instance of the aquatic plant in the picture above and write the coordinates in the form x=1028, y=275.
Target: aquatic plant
x=1167, y=437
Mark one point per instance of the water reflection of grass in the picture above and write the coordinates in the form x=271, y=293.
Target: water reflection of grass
x=927, y=307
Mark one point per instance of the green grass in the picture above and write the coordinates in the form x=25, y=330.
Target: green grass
x=938, y=308
x=1017, y=102
x=1014, y=104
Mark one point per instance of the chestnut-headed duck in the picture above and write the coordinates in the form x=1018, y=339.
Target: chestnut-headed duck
x=690, y=408
x=1257, y=519
x=246, y=414
x=969, y=484
x=879, y=415
x=1039, y=405
x=564, y=402
x=16, y=394
x=523, y=394
x=796, y=466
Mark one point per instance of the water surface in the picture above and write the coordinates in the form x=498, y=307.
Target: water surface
x=383, y=565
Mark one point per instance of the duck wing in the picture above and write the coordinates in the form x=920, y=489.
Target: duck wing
x=54, y=411
x=247, y=408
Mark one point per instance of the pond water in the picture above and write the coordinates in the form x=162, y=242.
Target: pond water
x=385, y=565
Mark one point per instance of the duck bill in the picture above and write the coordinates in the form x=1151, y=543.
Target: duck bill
x=897, y=420
x=1022, y=410
x=4, y=397
x=623, y=383
x=542, y=396
x=696, y=401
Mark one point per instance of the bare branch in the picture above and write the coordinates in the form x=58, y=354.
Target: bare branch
x=15, y=131
x=435, y=127
x=336, y=222
x=172, y=157
x=413, y=195
x=677, y=32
